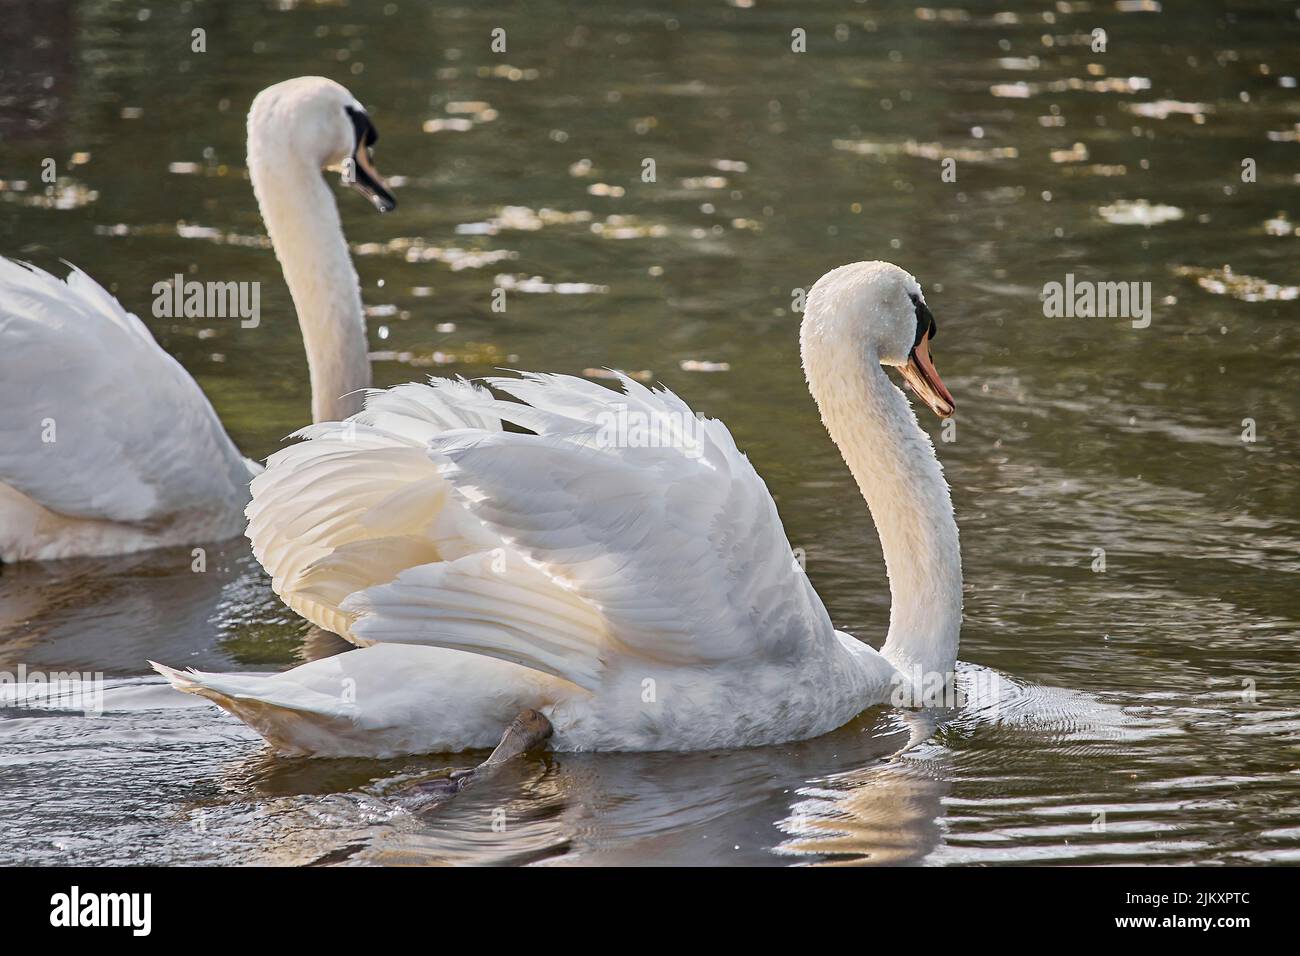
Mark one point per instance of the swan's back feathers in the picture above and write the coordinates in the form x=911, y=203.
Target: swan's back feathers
x=623, y=528
x=134, y=438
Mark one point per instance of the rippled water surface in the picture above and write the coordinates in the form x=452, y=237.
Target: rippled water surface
x=1144, y=713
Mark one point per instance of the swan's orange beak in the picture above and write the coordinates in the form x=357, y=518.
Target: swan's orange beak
x=923, y=377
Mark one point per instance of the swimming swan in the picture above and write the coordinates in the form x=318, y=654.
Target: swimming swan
x=620, y=569
x=107, y=445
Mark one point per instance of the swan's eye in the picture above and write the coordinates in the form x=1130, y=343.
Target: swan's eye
x=924, y=320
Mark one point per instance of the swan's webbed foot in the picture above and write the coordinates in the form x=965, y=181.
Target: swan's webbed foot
x=530, y=729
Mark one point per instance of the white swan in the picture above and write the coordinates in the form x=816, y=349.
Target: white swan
x=107, y=445
x=621, y=569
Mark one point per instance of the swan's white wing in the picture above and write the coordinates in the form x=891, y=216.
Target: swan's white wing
x=134, y=438
x=491, y=603
x=360, y=501
x=674, y=543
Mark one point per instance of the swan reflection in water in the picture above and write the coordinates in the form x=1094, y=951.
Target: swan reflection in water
x=608, y=808
x=878, y=790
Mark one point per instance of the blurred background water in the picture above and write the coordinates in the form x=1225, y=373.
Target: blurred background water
x=1144, y=713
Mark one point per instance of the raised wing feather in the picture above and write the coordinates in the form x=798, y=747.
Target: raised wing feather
x=360, y=501
x=621, y=528
x=649, y=513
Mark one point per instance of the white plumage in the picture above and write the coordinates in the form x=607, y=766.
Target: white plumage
x=638, y=591
x=107, y=445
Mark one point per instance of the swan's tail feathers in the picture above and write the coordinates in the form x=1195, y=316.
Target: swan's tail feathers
x=181, y=680
x=254, y=688
x=294, y=719
x=98, y=422
x=491, y=603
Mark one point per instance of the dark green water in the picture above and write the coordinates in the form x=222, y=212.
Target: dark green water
x=1147, y=713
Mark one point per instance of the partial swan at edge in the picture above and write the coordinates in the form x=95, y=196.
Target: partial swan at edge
x=107, y=445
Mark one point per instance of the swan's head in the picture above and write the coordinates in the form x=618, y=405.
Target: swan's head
x=315, y=119
x=877, y=312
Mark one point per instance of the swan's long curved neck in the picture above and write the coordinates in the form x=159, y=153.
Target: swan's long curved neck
x=894, y=464
x=305, y=230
